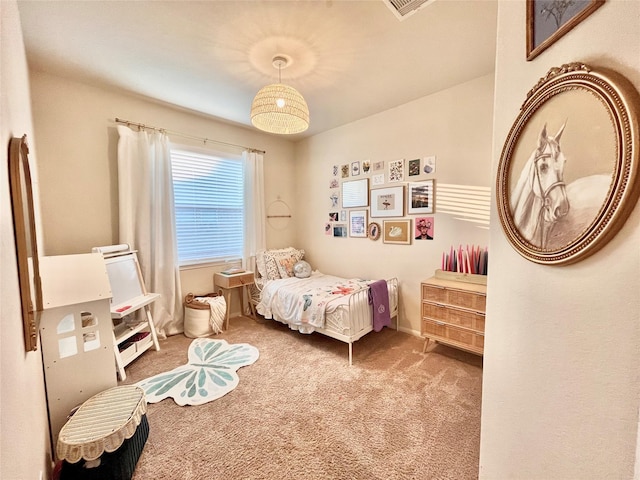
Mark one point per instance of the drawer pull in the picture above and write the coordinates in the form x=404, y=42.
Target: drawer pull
x=439, y=323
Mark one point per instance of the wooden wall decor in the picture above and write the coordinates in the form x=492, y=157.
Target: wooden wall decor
x=25, y=239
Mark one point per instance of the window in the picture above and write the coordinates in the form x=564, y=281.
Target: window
x=209, y=206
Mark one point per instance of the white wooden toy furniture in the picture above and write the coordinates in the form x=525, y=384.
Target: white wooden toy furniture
x=75, y=332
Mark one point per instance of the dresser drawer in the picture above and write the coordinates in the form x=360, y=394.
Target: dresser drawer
x=457, y=316
x=233, y=281
x=451, y=296
x=453, y=335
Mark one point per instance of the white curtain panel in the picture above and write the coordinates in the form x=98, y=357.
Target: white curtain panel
x=147, y=220
x=254, y=225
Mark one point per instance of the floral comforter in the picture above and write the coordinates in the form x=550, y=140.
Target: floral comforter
x=304, y=301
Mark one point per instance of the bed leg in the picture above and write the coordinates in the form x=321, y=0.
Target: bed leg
x=350, y=353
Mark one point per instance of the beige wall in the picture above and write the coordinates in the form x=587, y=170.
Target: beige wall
x=560, y=393
x=24, y=429
x=77, y=141
x=455, y=125
x=561, y=390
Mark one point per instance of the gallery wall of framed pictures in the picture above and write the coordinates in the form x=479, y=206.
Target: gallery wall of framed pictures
x=385, y=199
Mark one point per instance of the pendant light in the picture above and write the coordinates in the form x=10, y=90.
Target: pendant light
x=279, y=108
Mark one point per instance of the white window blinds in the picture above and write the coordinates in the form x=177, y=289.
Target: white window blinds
x=209, y=205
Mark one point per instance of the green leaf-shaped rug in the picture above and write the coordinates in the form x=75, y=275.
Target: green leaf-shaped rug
x=210, y=373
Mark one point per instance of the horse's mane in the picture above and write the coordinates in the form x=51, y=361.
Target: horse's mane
x=521, y=192
x=527, y=207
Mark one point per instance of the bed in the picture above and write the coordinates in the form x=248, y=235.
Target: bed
x=333, y=306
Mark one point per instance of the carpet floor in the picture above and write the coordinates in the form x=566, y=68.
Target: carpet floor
x=300, y=412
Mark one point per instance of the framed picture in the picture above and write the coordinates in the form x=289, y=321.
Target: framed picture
x=339, y=230
x=378, y=166
x=377, y=179
x=366, y=166
x=334, y=197
x=387, y=202
x=549, y=20
x=429, y=165
x=355, y=193
x=328, y=229
x=355, y=169
x=345, y=171
x=358, y=223
x=373, y=232
x=414, y=167
x=396, y=170
x=397, y=231
x=420, y=197
x=423, y=228
x=567, y=176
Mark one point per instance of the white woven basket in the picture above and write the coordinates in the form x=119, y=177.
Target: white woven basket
x=203, y=315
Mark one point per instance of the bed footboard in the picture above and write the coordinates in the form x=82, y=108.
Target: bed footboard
x=360, y=316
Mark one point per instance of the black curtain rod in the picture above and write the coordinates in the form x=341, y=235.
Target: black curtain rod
x=192, y=137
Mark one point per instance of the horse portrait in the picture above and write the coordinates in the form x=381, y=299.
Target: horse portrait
x=548, y=212
x=539, y=198
x=567, y=174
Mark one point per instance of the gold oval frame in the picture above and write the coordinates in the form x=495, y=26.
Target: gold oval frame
x=588, y=96
x=373, y=231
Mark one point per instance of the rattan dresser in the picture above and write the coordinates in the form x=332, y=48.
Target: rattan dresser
x=453, y=313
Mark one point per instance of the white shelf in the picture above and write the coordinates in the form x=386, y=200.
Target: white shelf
x=125, y=308
x=123, y=332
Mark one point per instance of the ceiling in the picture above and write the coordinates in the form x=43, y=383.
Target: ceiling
x=350, y=59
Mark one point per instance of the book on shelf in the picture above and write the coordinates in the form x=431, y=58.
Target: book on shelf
x=233, y=271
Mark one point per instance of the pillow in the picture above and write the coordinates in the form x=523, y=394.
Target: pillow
x=302, y=269
x=270, y=267
x=285, y=266
x=266, y=264
x=260, y=266
x=274, y=269
x=285, y=260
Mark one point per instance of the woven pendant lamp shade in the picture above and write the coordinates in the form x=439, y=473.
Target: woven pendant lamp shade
x=279, y=108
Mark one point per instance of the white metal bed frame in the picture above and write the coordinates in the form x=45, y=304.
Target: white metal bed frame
x=360, y=318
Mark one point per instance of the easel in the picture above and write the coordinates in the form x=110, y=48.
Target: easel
x=129, y=296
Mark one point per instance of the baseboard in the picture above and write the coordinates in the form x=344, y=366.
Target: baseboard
x=415, y=333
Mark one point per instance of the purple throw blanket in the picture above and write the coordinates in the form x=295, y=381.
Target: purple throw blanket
x=379, y=301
